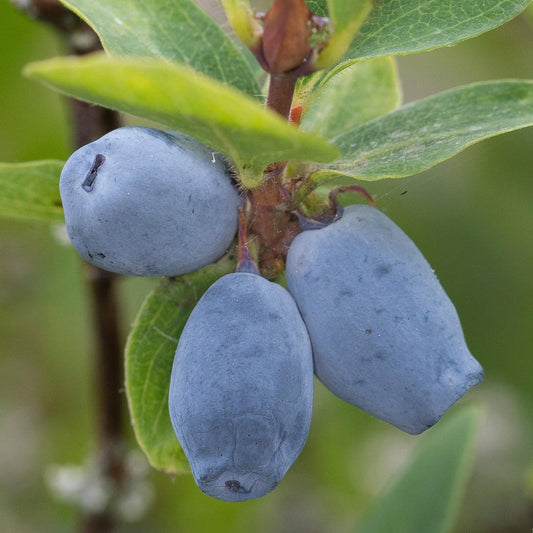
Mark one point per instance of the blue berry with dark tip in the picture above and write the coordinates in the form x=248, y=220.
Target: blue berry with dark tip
x=145, y=202
x=385, y=335
x=241, y=388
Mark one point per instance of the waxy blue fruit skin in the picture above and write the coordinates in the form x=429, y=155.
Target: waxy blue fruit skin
x=241, y=389
x=145, y=202
x=385, y=335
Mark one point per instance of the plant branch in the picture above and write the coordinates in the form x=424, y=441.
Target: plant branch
x=88, y=124
x=80, y=37
x=271, y=219
x=104, y=316
x=108, y=384
x=280, y=94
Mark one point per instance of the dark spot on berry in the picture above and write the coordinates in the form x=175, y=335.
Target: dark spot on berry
x=88, y=183
x=235, y=486
x=382, y=270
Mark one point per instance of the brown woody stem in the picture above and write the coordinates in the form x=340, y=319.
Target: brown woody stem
x=280, y=94
x=108, y=380
x=89, y=123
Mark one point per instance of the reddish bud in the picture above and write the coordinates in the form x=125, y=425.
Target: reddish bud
x=286, y=33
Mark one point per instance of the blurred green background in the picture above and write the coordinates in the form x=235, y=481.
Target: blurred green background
x=471, y=217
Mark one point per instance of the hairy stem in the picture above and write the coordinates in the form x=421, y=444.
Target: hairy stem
x=280, y=94
x=271, y=219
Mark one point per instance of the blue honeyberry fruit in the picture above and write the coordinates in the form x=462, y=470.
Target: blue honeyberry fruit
x=385, y=336
x=145, y=202
x=241, y=388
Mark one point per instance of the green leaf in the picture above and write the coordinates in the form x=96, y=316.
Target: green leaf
x=346, y=17
x=342, y=12
x=177, y=31
x=318, y=7
x=426, y=496
x=358, y=94
x=407, y=26
x=180, y=98
x=243, y=21
x=149, y=356
x=529, y=13
x=31, y=190
x=421, y=134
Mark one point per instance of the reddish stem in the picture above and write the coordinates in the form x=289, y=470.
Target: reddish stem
x=269, y=215
x=332, y=197
x=280, y=94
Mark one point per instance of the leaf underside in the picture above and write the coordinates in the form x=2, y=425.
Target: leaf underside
x=149, y=356
x=31, y=190
x=179, y=98
x=358, y=94
x=419, y=135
